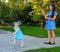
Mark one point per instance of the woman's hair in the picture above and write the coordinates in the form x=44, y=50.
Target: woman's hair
x=53, y=10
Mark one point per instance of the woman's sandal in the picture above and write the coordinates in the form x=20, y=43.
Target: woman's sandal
x=47, y=42
x=52, y=44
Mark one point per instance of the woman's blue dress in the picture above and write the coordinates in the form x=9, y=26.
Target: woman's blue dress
x=19, y=34
x=50, y=24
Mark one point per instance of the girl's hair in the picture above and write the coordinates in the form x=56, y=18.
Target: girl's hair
x=53, y=10
x=16, y=23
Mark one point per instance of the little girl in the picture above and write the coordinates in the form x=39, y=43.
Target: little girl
x=18, y=35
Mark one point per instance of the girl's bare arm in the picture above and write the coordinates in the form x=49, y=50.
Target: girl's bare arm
x=15, y=32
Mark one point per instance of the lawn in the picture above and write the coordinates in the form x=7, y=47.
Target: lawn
x=33, y=31
x=55, y=49
x=36, y=31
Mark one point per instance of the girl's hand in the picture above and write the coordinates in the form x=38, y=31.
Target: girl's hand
x=13, y=33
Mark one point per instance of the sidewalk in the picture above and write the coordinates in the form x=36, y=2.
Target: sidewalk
x=6, y=38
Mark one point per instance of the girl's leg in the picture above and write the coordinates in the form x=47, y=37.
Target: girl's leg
x=53, y=36
x=14, y=41
x=22, y=44
x=49, y=36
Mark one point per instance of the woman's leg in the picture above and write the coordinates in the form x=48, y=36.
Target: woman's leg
x=49, y=36
x=53, y=36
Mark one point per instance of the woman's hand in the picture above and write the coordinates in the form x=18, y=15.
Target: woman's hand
x=46, y=17
x=43, y=12
x=53, y=18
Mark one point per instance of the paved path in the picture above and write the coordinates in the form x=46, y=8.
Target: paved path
x=6, y=38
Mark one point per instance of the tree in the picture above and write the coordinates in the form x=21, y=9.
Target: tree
x=14, y=10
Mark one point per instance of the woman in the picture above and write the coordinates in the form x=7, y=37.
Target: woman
x=50, y=24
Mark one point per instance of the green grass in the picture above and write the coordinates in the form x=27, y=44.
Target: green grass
x=55, y=49
x=33, y=31
x=7, y=28
x=37, y=32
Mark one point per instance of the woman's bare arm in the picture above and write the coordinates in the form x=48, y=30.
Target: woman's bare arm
x=45, y=15
x=53, y=18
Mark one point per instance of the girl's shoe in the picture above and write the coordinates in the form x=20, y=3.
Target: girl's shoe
x=22, y=45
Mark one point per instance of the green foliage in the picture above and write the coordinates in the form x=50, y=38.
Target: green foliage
x=17, y=9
